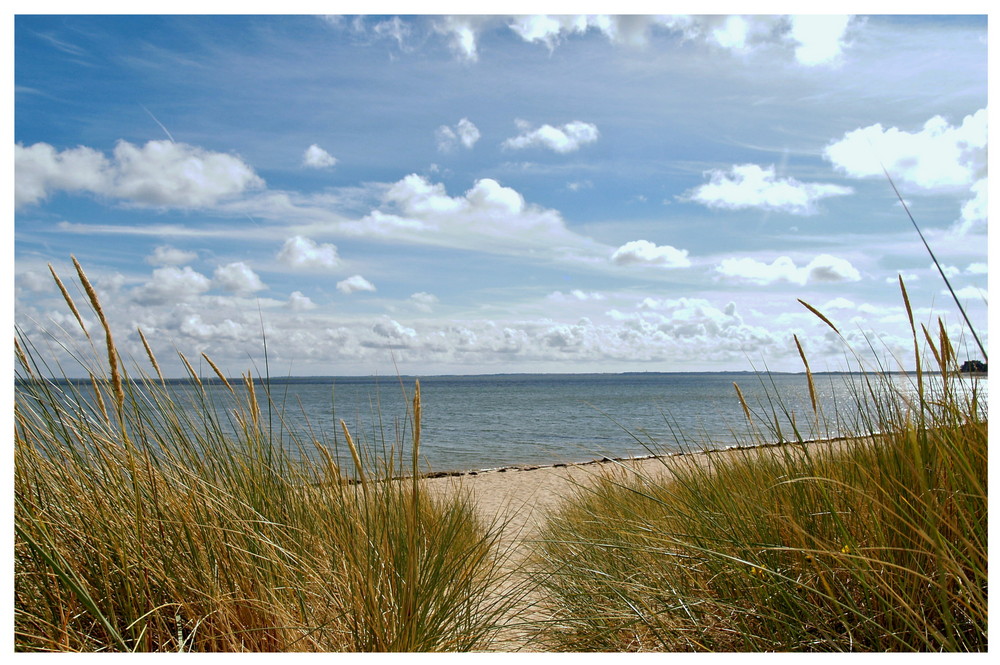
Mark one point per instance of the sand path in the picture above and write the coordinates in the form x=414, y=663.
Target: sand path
x=520, y=497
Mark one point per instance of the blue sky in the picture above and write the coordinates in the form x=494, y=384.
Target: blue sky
x=437, y=194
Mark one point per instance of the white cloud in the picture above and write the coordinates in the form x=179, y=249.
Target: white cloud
x=751, y=186
x=34, y=281
x=732, y=33
x=823, y=268
x=816, y=40
x=461, y=32
x=316, y=158
x=160, y=173
x=907, y=278
x=550, y=30
x=165, y=255
x=172, y=285
x=393, y=28
x=968, y=293
x=974, y=211
x=464, y=133
x=949, y=271
x=643, y=252
x=424, y=301
x=819, y=38
x=576, y=295
x=354, y=283
x=938, y=157
x=392, y=329
x=567, y=138
x=238, y=278
x=40, y=170
x=301, y=252
x=977, y=269
x=488, y=217
x=837, y=303
x=298, y=302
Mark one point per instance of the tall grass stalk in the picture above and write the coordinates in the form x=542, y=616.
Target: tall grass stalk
x=153, y=518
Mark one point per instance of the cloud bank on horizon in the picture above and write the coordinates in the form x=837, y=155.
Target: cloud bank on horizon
x=475, y=194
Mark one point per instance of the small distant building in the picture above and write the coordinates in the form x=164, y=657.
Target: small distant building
x=973, y=366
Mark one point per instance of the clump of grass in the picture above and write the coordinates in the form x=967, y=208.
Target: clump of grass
x=154, y=519
x=877, y=543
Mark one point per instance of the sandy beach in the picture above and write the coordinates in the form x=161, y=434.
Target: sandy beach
x=520, y=495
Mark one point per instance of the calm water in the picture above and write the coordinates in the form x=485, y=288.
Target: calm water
x=477, y=422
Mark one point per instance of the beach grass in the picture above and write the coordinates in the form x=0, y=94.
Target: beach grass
x=153, y=519
x=873, y=543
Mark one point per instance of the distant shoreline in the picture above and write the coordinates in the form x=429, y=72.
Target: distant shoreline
x=374, y=378
x=430, y=475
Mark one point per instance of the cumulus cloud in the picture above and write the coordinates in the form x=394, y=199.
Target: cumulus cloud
x=172, y=285
x=643, y=252
x=464, y=133
x=949, y=271
x=316, y=158
x=165, y=255
x=823, y=268
x=974, y=211
x=301, y=252
x=551, y=30
x=488, y=217
x=977, y=268
x=298, y=302
x=938, y=157
x=567, y=138
x=160, y=173
x=461, y=32
x=393, y=330
x=819, y=39
x=40, y=170
x=424, y=301
x=751, y=186
x=353, y=284
x=237, y=278
x=34, y=281
x=968, y=293
x=838, y=303
x=814, y=40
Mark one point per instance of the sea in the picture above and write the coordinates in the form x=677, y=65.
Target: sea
x=504, y=420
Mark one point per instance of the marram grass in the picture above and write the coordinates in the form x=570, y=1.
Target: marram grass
x=143, y=524
x=876, y=544
x=152, y=520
